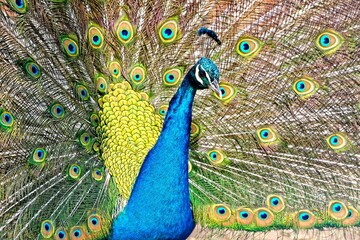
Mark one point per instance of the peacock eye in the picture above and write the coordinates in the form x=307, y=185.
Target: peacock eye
x=337, y=141
x=57, y=111
x=228, y=92
x=20, y=6
x=70, y=46
x=248, y=47
x=305, y=87
x=244, y=216
x=337, y=210
x=39, y=155
x=96, y=36
x=220, y=212
x=94, y=119
x=266, y=135
x=74, y=171
x=7, y=119
x=85, y=139
x=115, y=69
x=60, y=234
x=124, y=31
x=163, y=110
x=101, y=85
x=172, y=76
x=329, y=41
x=47, y=229
x=82, y=92
x=275, y=203
x=168, y=31
x=138, y=74
x=352, y=218
x=94, y=222
x=97, y=174
x=263, y=217
x=216, y=157
x=33, y=70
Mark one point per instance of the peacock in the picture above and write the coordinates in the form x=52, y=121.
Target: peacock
x=147, y=119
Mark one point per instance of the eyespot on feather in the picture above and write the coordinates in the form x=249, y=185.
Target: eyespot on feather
x=47, y=229
x=137, y=74
x=244, y=216
x=61, y=234
x=163, y=110
x=124, y=31
x=94, y=222
x=19, y=6
x=339, y=142
x=352, y=218
x=33, y=70
x=172, y=77
x=219, y=212
x=275, y=203
x=74, y=171
x=329, y=41
x=168, y=31
x=57, y=111
x=304, y=219
x=305, y=87
x=69, y=45
x=248, y=47
x=82, y=92
x=101, y=84
x=78, y=233
x=95, y=36
x=267, y=136
x=97, y=174
x=216, y=157
x=115, y=69
x=6, y=120
x=228, y=92
x=263, y=217
x=337, y=210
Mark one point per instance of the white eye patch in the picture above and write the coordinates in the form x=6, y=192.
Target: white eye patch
x=198, y=78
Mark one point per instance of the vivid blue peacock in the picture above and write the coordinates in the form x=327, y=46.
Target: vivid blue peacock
x=101, y=138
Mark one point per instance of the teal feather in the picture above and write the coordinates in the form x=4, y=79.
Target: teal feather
x=280, y=144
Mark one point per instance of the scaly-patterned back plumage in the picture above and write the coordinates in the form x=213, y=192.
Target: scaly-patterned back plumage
x=85, y=86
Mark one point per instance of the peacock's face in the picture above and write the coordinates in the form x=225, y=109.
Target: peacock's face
x=206, y=75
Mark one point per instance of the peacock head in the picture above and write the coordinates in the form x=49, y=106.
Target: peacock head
x=205, y=74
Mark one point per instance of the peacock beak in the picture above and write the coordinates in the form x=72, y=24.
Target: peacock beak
x=214, y=85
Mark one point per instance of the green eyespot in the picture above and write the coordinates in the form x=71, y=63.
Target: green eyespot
x=124, y=31
x=163, y=110
x=82, y=92
x=47, y=229
x=57, y=111
x=172, y=77
x=7, y=120
x=70, y=46
x=228, y=92
x=96, y=36
x=267, y=135
x=329, y=41
x=33, y=70
x=20, y=6
x=85, y=139
x=97, y=174
x=137, y=74
x=101, y=84
x=216, y=157
x=338, y=142
x=248, y=47
x=115, y=69
x=305, y=87
x=74, y=171
x=168, y=31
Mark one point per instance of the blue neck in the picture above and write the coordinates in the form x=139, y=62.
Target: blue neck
x=159, y=206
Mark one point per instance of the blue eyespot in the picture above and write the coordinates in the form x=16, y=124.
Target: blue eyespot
x=77, y=233
x=221, y=210
x=72, y=48
x=102, y=86
x=34, y=69
x=98, y=172
x=263, y=215
x=59, y=110
x=213, y=156
x=61, y=234
x=7, y=118
x=349, y=213
x=75, y=169
x=167, y=33
x=264, y=133
x=40, y=153
x=325, y=40
x=47, y=227
x=304, y=216
x=334, y=140
x=83, y=93
x=336, y=207
x=245, y=47
x=244, y=214
x=170, y=78
x=94, y=221
x=19, y=3
x=162, y=112
x=137, y=77
x=300, y=86
x=96, y=40
x=275, y=201
x=124, y=34
x=223, y=92
x=115, y=71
